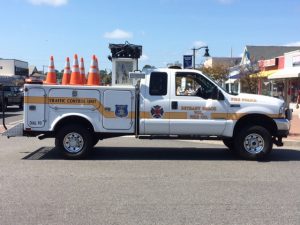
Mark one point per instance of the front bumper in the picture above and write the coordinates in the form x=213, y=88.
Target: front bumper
x=283, y=127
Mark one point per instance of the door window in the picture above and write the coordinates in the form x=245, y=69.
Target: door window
x=192, y=84
x=158, y=83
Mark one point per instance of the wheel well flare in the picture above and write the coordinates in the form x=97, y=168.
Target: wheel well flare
x=256, y=120
x=74, y=120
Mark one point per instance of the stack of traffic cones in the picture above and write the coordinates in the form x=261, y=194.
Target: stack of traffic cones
x=94, y=76
x=75, y=75
x=99, y=77
x=82, y=71
x=67, y=73
x=51, y=75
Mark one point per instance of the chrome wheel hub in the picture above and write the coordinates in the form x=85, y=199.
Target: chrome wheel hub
x=73, y=142
x=254, y=143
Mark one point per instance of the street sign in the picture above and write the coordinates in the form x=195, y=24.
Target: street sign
x=187, y=61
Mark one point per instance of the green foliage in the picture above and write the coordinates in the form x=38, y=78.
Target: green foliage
x=148, y=67
x=219, y=72
x=105, y=77
x=249, y=80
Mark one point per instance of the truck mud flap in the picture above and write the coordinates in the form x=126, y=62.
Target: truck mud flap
x=15, y=131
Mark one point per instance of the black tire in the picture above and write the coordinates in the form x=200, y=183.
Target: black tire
x=253, y=143
x=229, y=143
x=74, y=141
x=95, y=139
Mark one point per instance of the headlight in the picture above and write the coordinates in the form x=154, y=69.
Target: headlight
x=282, y=110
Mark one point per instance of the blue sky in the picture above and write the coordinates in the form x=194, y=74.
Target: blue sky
x=32, y=30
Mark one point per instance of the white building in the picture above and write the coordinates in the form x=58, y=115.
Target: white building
x=289, y=77
x=222, y=61
x=13, y=71
x=13, y=67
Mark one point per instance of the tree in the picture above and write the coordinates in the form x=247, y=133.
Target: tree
x=147, y=68
x=249, y=82
x=105, y=77
x=218, y=72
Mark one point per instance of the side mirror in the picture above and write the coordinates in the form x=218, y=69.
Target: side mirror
x=217, y=94
x=220, y=96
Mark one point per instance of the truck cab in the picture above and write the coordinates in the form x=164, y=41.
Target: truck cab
x=186, y=103
x=182, y=102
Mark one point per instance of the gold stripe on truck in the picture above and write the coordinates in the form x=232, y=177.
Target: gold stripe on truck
x=143, y=115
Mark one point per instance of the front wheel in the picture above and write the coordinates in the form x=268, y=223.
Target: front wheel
x=229, y=143
x=95, y=140
x=74, y=141
x=254, y=142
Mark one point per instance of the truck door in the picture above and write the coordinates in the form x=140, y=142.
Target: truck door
x=194, y=108
x=155, y=105
x=118, y=108
x=35, y=107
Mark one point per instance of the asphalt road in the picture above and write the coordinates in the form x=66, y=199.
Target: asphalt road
x=129, y=181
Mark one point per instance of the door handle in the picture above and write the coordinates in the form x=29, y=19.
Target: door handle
x=174, y=105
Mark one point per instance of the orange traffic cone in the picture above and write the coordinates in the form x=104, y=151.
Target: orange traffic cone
x=75, y=75
x=82, y=71
x=99, y=77
x=93, y=78
x=51, y=75
x=67, y=73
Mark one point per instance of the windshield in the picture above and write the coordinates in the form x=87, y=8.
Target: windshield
x=210, y=79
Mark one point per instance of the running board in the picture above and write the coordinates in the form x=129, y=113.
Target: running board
x=181, y=137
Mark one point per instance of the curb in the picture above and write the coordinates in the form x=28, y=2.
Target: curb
x=291, y=143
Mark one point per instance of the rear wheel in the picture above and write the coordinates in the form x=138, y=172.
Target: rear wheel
x=253, y=142
x=74, y=141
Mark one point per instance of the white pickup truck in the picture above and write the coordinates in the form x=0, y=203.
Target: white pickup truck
x=175, y=103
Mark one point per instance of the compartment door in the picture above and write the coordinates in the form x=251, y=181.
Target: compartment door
x=118, y=111
x=35, y=107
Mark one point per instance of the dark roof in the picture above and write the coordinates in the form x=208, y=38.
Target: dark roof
x=15, y=60
x=268, y=52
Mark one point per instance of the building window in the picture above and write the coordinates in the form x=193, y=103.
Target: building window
x=21, y=71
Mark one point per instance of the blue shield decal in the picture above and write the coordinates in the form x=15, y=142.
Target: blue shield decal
x=121, y=111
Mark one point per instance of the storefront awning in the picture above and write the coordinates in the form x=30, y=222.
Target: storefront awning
x=292, y=72
x=236, y=76
x=230, y=81
x=263, y=73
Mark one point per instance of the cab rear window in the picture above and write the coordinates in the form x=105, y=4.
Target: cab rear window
x=158, y=83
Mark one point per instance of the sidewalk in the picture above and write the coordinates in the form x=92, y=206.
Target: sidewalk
x=294, y=136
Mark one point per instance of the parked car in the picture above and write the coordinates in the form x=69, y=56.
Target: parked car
x=13, y=95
